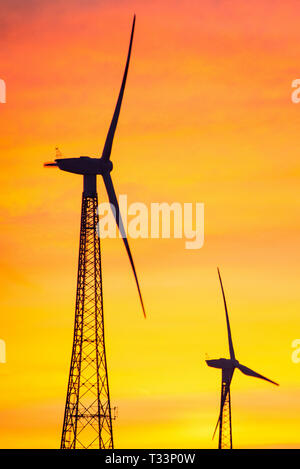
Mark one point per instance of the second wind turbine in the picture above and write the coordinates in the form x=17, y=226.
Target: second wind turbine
x=228, y=366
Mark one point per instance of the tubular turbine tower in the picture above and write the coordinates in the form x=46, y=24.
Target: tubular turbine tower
x=88, y=417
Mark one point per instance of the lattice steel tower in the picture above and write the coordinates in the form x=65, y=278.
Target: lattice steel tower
x=88, y=416
x=88, y=411
x=225, y=433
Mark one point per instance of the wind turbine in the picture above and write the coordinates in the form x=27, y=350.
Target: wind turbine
x=87, y=420
x=228, y=366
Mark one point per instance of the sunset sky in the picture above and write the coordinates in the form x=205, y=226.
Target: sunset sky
x=207, y=117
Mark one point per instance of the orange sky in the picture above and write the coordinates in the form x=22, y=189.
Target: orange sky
x=207, y=117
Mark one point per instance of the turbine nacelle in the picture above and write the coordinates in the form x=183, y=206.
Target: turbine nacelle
x=223, y=363
x=83, y=165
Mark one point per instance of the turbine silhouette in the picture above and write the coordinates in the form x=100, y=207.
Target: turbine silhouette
x=228, y=366
x=87, y=420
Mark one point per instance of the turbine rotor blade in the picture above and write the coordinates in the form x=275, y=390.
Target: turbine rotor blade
x=249, y=372
x=113, y=200
x=110, y=136
x=231, y=350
